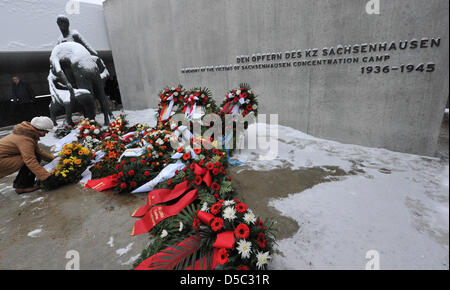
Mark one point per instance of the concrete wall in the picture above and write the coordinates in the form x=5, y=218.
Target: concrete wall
x=153, y=40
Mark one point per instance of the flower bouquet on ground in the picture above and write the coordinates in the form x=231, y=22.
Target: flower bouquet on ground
x=227, y=235
x=89, y=134
x=74, y=159
x=131, y=174
x=113, y=149
x=116, y=127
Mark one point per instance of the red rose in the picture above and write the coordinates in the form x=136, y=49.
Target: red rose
x=123, y=185
x=223, y=256
x=217, y=224
x=215, y=208
x=131, y=172
x=242, y=231
x=215, y=186
x=133, y=184
x=241, y=207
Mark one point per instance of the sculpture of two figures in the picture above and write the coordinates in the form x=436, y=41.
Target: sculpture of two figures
x=76, y=76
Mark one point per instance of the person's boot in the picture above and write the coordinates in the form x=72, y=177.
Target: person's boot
x=26, y=190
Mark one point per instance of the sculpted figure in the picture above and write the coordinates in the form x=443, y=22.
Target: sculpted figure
x=82, y=87
x=77, y=75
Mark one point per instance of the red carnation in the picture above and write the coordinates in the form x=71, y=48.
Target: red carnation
x=260, y=224
x=186, y=156
x=249, y=107
x=216, y=171
x=215, y=186
x=242, y=231
x=241, y=207
x=198, y=180
x=236, y=99
x=215, y=208
x=180, y=149
x=197, y=150
x=143, y=161
x=133, y=184
x=120, y=174
x=131, y=172
x=146, y=173
x=123, y=185
x=262, y=242
x=245, y=113
x=169, y=182
x=201, y=163
x=210, y=166
x=133, y=160
x=223, y=256
x=217, y=224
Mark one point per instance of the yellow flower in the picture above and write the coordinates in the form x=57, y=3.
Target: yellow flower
x=77, y=161
x=67, y=161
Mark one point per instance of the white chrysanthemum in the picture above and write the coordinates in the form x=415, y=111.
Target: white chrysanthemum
x=247, y=101
x=175, y=94
x=205, y=207
x=88, y=138
x=229, y=202
x=181, y=226
x=263, y=259
x=238, y=92
x=255, y=107
x=250, y=218
x=96, y=131
x=164, y=234
x=229, y=213
x=86, y=131
x=244, y=248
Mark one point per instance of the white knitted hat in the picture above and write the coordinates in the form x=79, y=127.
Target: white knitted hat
x=43, y=123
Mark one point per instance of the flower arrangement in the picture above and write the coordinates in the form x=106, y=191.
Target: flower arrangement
x=113, y=149
x=241, y=100
x=226, y=235
x=168, y=98
x=199, y=97
x=116, y=127
x=89, y=134
x=74, y=159
x=131, y=174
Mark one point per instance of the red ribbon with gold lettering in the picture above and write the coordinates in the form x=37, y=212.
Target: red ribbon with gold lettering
x=158, y=213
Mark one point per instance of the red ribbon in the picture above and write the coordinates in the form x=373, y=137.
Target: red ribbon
x=198, y=170
x=160, y=196
x=103, y=183
x=158, y=213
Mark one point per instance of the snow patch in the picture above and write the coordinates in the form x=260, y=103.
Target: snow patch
x=35, y=233
x=123, y=251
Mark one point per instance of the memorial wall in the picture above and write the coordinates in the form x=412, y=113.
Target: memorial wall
x=373, y=73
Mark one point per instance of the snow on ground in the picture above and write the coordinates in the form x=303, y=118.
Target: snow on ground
x=394, y=203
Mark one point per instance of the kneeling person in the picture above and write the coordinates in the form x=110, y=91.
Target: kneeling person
x=20, y=151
